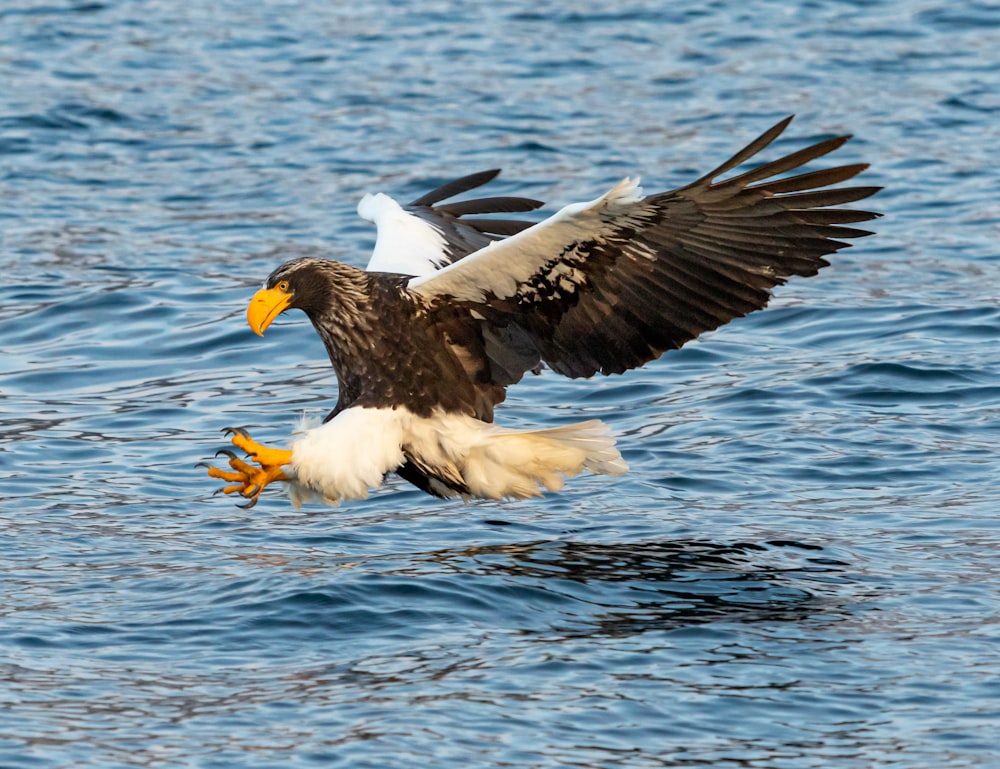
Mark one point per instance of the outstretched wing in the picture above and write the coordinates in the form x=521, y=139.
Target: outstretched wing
x=423, y=237
x=611, y=284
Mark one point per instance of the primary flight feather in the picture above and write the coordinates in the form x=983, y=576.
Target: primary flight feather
x=455, y=308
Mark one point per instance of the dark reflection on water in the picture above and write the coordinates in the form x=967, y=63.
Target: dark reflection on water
x=666, y=585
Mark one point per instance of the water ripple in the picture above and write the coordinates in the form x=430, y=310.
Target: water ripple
x=800, y=569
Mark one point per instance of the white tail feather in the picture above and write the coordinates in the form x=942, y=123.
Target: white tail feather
x=595, y=439
x=496, y=462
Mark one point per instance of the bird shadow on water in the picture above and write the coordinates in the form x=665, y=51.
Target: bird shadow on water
x=625, y=589
x=464, y=610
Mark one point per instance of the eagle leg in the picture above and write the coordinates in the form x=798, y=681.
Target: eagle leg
x=246, y=479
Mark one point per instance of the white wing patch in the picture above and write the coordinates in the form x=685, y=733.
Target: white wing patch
x=405, y=243
x=545, y=251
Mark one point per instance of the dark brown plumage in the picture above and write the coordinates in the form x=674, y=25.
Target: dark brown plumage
x=600, y=287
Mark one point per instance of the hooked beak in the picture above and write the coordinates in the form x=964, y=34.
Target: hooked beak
x=266, y=305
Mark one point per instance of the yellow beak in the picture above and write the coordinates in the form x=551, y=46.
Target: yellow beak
x=266, y=305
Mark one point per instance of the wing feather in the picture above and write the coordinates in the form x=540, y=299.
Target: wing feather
x=422, y=237
x=456, y=187
x=749, y=151
x=497, y=226
x=505, y=205
x=787, y=163
x=813, y=179
x=608, y=285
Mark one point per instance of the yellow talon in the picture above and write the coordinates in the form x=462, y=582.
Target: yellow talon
x=248, y=479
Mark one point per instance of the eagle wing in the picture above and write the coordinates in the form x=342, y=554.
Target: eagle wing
x=426, y=235
x=608, y=285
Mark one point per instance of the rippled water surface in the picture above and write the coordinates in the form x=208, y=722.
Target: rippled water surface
x=802, y=567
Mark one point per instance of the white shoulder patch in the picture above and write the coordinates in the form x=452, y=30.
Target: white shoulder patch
x=545, y=250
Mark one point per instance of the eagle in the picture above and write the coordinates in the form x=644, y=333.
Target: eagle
x=455, y=306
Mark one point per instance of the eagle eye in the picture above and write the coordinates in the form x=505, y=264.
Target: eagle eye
x=282, y=286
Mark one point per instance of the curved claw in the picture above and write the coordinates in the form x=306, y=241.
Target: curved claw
x=202, y=464
x=249, y=477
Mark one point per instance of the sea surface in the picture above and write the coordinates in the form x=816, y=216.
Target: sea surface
x=801, y=570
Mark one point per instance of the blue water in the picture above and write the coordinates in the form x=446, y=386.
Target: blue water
x=802, y=568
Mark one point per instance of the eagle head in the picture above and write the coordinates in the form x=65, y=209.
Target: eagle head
x=315, y=286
